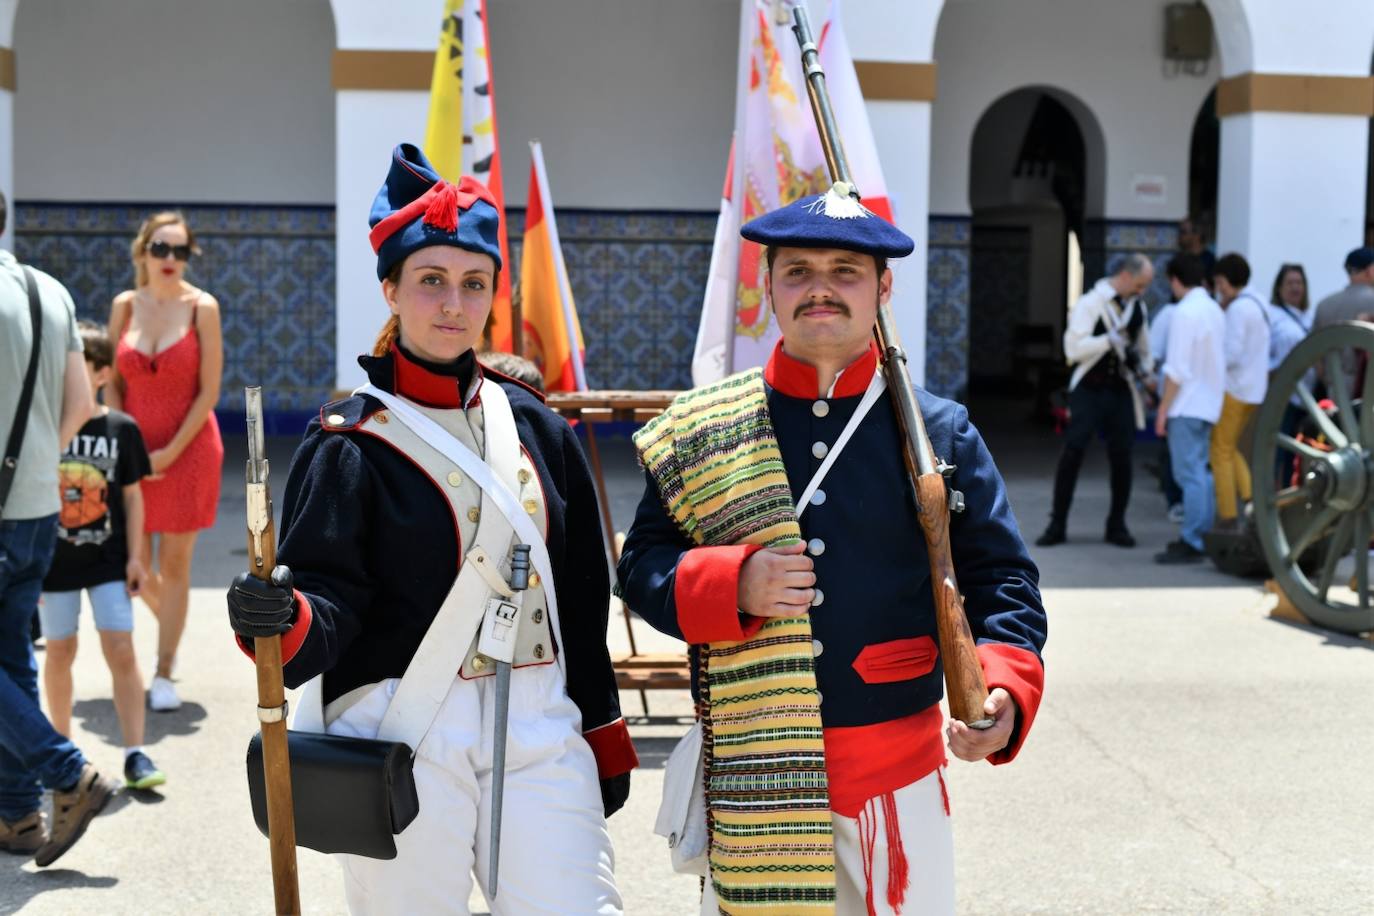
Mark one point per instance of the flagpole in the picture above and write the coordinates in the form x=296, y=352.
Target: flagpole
x=748, y=12
x=564, y=288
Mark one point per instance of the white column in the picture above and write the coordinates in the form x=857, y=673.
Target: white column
x=369, y=124
x=1293, y=189
x=1295, y=106
x=901, y=32
x=902, y=133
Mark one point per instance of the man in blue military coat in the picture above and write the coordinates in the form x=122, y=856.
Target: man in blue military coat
x=860, y=571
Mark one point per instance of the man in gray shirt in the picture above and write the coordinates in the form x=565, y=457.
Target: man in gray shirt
x=33, y=756
x=1356, y=301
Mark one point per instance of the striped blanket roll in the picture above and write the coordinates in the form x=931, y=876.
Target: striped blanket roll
x=716, y=461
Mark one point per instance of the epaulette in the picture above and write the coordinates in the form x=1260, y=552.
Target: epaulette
x=347, y=413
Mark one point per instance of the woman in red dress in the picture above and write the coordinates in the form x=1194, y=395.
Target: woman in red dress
x=168, y=360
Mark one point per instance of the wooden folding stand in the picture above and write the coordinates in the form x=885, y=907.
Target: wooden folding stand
x=636, y=670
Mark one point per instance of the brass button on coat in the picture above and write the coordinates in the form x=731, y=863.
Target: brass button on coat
x=531, y=506
x=538, y=615
x=382, y=417
x=539, y=651
x=534, y=583
x=479, y=662
x=474, y=515
x=524, y=476
x=820, y=408
x=455, y=479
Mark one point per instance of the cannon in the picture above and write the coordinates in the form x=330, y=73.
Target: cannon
x=1315, y=522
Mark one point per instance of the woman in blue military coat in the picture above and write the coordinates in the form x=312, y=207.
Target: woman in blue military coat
x=376, y=530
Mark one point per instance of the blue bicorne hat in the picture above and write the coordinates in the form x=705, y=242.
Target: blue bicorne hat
x=830, y=220
x=415, y=208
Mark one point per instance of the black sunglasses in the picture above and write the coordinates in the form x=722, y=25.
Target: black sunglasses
x=160, y=250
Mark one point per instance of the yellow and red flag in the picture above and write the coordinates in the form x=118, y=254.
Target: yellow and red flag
x=461, y=137
x=552, y=333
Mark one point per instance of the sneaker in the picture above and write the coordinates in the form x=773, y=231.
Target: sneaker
x=1053, y=535
x=25, y=836
x=1176, y=513
x=141, y=773
x=72, y=812
x=1118, y=535
x=162, y=695
x=1179, y=552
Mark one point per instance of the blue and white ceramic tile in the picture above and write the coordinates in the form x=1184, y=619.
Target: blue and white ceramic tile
x=947, y=305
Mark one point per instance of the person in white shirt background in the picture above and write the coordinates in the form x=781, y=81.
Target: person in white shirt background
x=1247, y=378
x=1194, y=385
x=1290, y=320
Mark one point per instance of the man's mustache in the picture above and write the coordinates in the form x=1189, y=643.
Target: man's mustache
x=824, y=303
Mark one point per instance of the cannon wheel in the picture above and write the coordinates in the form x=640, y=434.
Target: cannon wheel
x=1308, y=529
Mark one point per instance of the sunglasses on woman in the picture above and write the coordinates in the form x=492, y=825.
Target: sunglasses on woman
x=160, y=250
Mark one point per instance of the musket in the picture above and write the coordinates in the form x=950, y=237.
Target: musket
x=276, y=765
x=964, y=683
x=519, y=581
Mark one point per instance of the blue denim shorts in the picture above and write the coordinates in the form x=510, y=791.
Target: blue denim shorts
x=114, y=612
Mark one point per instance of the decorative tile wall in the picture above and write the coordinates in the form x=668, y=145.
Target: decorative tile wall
x=638, y=279
x=947, y=305
x=1105, y=239
x=271, y=268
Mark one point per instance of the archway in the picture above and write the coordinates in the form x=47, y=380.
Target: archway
x=1204, y=166
x=1036, y=179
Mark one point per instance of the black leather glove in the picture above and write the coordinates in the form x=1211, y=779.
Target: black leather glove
x=1132, y=359
x=258, y=608
x=614, y=792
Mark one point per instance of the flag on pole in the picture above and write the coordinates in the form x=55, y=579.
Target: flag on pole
x=553, y=335
x=851, y=115
x=712, y=347
x=461, y=136
x=776, y=158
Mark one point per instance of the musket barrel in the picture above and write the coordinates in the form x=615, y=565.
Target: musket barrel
x=964, y=682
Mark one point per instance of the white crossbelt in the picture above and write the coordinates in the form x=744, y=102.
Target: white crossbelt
x=876, y=386
x=431, y=671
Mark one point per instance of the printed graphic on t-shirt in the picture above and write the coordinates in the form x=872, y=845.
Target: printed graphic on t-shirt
x=84, y=478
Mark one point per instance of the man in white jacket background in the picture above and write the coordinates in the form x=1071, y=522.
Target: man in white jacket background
x=1108, y=342
x=1247, y=378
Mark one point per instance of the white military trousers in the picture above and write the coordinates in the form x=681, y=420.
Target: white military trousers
x=556, y=852
x=862, y=855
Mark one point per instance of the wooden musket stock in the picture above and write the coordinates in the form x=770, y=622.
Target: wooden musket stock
x=276, y=764
x=964, y=684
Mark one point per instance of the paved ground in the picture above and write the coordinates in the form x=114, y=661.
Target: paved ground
x=1191, y=755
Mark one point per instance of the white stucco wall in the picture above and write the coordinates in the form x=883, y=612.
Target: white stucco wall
x=1107, y=55
x=633, y=101
x=187, y=100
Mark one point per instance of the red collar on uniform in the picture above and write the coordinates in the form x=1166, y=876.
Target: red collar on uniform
x=795, y=379
x=431, y=389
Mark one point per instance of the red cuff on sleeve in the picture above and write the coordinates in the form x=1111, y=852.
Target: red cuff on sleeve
x=291, y=640
x=613, y=749
x=1020, y=673
x=707, y=594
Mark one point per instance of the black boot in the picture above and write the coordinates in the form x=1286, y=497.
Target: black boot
x=1065, y=480
x=1118, y=534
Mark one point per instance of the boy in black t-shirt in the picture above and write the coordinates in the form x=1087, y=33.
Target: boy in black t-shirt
x=100, y=539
